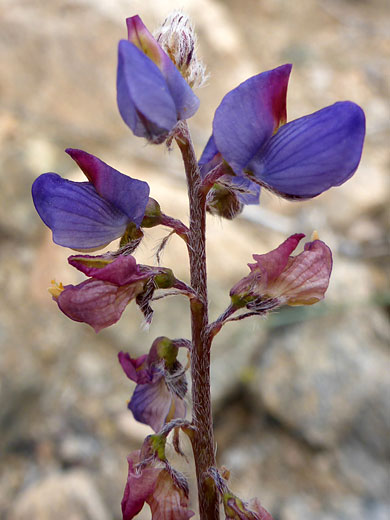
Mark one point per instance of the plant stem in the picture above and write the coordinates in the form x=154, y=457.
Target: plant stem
x=203, y=439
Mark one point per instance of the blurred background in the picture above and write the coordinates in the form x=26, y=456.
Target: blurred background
x=301, y=401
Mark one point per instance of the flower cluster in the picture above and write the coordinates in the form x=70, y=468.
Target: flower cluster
x=252, y=146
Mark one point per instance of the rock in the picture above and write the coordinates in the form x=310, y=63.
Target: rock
x=364, y=473
x=318, y=379
x=64, y=496
x=341, y=508
x=232, y=354
x=79, y=449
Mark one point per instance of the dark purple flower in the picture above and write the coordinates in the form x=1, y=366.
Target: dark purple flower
x=300, y=159
x=152, y=95
x=89, y=215
x=113, y=283
x=161, y=384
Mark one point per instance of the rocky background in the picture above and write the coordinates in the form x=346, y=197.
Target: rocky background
x=301, y=400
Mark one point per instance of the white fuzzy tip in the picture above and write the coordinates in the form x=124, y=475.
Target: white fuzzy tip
x=178, y=39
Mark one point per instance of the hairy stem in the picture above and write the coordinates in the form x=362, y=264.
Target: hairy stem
x=203, y=438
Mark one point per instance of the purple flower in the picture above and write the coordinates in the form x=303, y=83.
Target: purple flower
x=280, y=279
x=152, y=95
x=89, y=215
x=161, y=384
x=113, y=283
x=163, y=489
x=300, y=159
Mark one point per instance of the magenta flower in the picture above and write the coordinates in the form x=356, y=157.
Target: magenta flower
x=161, y=384
x=300, y=159
x=89, y=215
x=280, y=279
x=152, y=95
x=113, y=283
x=163, y=489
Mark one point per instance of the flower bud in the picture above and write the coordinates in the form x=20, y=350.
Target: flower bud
x=224, y=202
x=178, y=38
x=152, y=215
x=165, y=279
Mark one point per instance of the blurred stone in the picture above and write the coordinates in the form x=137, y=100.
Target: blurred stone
x=319, y=378
x=366, y=474
x=64, y=496
x=232, y=357
x=79, y=449
x=346, y=508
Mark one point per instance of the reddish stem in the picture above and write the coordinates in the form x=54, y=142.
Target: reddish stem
x=203, y=439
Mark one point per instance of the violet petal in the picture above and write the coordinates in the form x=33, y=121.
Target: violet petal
x=126, y=194
x=78, y=217
x=313, y=153
x=144, y=99
x=248, y=116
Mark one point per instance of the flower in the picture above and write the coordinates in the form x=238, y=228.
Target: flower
x=236, y=509
x=152, y=95
x=113, y=283
x=89, y=215
x=280, y=279
x=161, y=384
x=162, y=488
x=300, y=159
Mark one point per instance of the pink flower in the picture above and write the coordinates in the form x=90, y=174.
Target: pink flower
x=163, y=489
x=280, y=279
x=113, y=283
